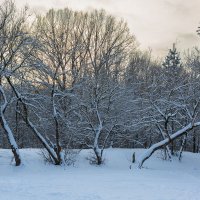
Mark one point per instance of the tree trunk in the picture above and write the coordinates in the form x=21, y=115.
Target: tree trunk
x=8, y=131
x=194, y=143
x=172, y=148
x=98, y=156
x=182, y=147
x=11, y=140
x=44, y=142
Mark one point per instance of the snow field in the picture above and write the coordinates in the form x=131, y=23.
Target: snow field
x=158, y=180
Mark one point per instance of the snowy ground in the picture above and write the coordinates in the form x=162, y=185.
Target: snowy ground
x=159, y=180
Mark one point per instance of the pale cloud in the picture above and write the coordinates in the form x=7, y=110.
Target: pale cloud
x=156, y=23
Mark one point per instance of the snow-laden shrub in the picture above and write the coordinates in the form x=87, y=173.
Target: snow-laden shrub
x=69, y=156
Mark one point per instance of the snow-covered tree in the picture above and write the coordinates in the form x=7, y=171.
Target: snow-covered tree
x=173, y=70
x=15, y=45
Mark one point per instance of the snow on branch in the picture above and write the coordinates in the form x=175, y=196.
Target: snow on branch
x=165, y=142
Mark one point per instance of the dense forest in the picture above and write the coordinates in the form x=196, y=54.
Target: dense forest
x=72, y=80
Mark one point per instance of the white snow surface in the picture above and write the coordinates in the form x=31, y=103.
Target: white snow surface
x=114, y=180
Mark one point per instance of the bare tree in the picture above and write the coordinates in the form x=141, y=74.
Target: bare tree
x=15, y=44
x=186, y=111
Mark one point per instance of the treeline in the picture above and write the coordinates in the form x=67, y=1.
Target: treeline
x=73, y=80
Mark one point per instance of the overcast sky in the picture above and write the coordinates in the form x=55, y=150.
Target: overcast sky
x=155, y=23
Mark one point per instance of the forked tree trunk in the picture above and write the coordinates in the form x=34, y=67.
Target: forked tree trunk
x=33, y=127
x=166, y=149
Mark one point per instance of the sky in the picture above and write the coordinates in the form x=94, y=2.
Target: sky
x=157, y=24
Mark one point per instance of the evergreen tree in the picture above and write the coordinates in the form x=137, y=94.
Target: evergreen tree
x=173, y=68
